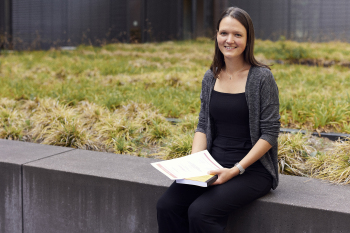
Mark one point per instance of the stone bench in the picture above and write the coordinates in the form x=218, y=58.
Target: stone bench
x=55, y=189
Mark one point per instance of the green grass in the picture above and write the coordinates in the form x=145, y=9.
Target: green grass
x=282, y=49
x=169, y=74
x=115, y=98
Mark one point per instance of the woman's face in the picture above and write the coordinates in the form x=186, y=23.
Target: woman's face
x=231, y=37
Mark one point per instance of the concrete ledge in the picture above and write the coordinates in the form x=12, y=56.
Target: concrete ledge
x=13, y=154
x=85, y=191
x=298, y=204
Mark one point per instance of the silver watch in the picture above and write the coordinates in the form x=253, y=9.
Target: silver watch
x=240, y=168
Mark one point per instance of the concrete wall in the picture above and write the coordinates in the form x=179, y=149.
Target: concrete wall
x=84, y=191
x=55, y=189
x=13, y=155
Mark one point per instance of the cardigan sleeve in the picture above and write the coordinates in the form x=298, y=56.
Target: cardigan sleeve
x=202, y=120
x=269, y=109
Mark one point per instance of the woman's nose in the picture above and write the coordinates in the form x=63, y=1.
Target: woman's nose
x=230, y=39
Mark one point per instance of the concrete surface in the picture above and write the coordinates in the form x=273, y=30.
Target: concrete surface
x=12, y=155
x=85, y=191
x=298, y=204
x=76, y=191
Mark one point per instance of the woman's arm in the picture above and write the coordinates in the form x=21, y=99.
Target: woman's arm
x=199, y=142
x=200, y=138
x=258, y=150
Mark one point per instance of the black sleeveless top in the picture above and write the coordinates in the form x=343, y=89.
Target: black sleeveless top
x=231, y=141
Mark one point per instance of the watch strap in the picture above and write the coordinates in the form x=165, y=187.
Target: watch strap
x=240, y=168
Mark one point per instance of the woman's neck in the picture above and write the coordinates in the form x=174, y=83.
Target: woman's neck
x=234, y=65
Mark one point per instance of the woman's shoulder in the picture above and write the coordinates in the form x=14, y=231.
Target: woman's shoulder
x=262, y=73
x=208, y=76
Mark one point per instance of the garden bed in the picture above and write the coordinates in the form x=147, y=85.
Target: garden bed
x=116, y=98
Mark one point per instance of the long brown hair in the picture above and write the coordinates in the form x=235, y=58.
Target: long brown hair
x=242, y=16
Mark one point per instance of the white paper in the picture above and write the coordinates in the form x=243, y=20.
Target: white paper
x=193, y=165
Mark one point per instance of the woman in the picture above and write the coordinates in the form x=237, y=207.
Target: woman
x=239, y=125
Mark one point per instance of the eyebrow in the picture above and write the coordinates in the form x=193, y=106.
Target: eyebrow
x=233, y=31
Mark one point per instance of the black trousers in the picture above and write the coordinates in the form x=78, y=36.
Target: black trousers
x=187, y=208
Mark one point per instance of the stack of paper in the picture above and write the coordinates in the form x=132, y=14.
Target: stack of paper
x=191, y=169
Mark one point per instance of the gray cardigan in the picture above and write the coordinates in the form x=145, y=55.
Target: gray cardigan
x=261, y=93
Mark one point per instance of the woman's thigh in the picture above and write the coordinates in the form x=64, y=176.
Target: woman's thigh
x=179, y=197
x=222, y=199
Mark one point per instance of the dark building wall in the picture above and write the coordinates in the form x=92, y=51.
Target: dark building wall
x=41, y=24
x=119, y=21
x=163, y=20
x=208, y=14
x=2, y=16
x=5, y=24
x=2, y=23
x=135, y=20
x=301, y=20
x=270, y=17
x=96, y=21
x=46, y=23
x=5, y=17
x=320, y=20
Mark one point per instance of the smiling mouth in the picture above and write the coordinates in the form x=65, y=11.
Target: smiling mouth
x=227, y=47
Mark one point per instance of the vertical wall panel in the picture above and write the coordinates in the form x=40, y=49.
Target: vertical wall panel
x=59, y=21
x=2, y=22
x=163, y=24
x=47, y=27
x=93, y=20
x=5, y=24
x=21, y=24
x=35, y=21
x=119, y=20
x=72, y=22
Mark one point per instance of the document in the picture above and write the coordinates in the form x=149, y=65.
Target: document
x=197, y=164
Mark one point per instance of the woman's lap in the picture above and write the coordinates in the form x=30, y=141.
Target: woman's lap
x=213, y=204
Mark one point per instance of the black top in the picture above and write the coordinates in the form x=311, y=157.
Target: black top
x=230, y=115
x=232, y=141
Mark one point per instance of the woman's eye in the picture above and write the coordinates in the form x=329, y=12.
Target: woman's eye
x=223, y=33
x=238, y=35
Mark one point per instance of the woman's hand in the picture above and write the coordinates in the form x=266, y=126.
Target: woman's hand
x=224, y=174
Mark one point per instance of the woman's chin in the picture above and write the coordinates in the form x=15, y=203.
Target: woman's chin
x=232, y=56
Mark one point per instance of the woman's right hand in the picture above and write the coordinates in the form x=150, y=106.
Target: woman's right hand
x=224, y=174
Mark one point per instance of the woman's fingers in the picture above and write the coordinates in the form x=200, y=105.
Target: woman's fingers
x=213, y=172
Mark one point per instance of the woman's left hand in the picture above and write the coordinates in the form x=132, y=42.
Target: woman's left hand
x=224, y=174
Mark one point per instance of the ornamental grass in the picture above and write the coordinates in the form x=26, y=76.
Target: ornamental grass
x=116, y=98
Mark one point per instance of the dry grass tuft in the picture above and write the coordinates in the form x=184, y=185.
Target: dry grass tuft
x=293, y=153
x=12, y=121
x=140, y=129
x=333, y=166
x=179, y=145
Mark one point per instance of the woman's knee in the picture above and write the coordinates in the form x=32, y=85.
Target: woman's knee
x=164, y=204
x=196, y=213
x=203, y=218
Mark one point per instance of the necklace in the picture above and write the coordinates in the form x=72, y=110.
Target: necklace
x=233, y=73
